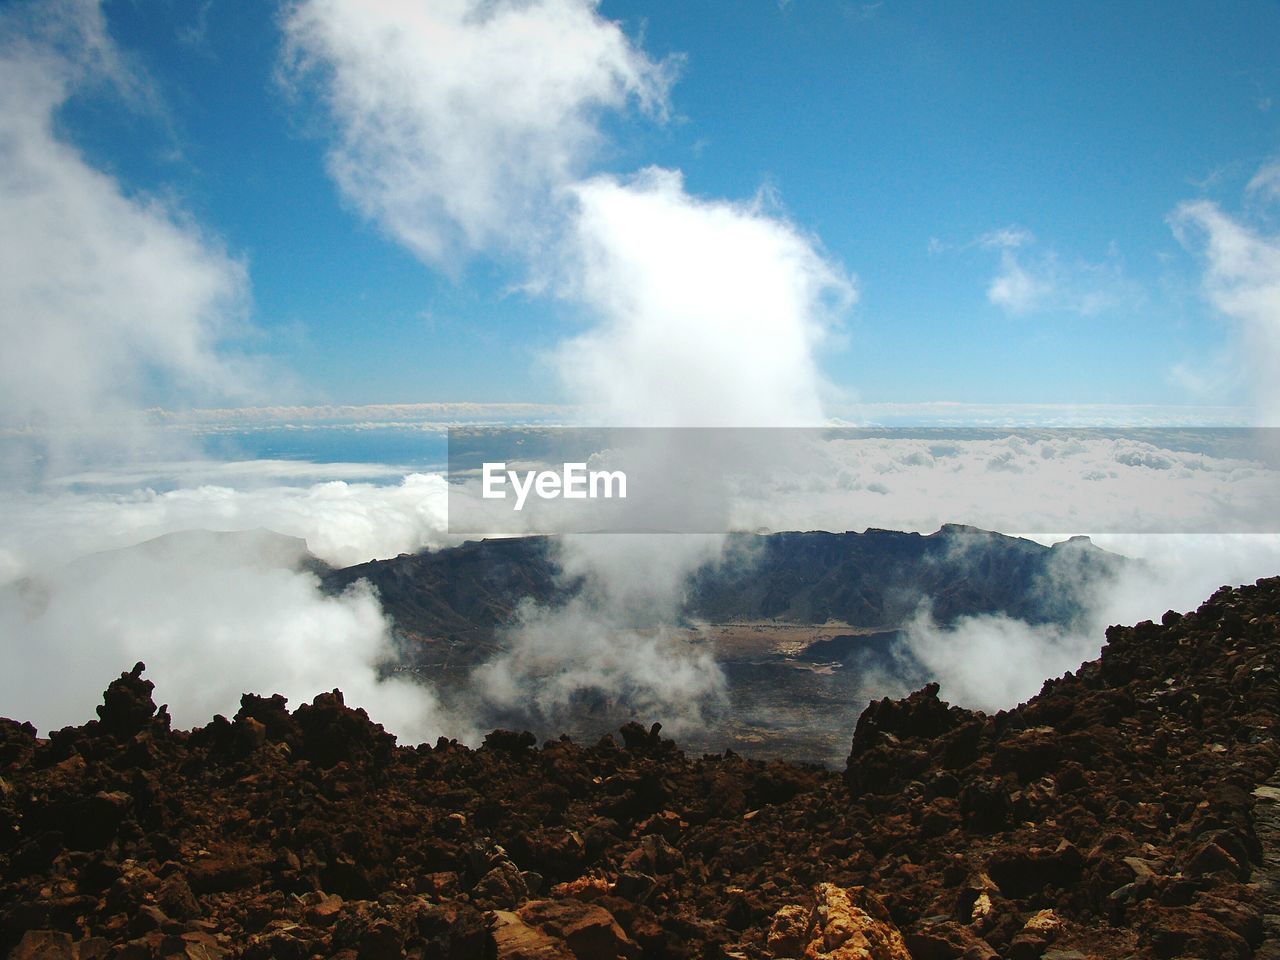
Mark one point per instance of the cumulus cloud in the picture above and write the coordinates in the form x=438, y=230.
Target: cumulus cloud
x=105, y=297
x=210, y=625
x=103, y=293
x=457, y=122
x=710, y=312
x=1242, y=281
x=212, y=616
x=468, y=125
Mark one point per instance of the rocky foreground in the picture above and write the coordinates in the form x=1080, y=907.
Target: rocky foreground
x=1123, y=812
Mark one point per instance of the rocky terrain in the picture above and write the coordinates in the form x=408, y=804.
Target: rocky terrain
x=1126, y=811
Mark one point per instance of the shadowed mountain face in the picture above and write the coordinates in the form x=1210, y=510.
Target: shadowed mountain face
x=461, y=593
x=875, y=579
x=805, y=627
x=878, y=578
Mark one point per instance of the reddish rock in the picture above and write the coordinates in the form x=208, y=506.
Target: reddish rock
x=1113, y=815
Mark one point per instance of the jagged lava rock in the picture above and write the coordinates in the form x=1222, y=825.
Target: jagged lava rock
x=1112, y=815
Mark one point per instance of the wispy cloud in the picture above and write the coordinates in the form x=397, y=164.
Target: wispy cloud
x=1032, y=278
x=1242, y=281
x=1265, y=184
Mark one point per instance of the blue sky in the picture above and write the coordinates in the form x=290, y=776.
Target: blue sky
x=930, y=150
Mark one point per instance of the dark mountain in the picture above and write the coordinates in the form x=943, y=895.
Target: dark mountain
x=462, y=592
x=878, y=578
x=874, y=579
x=803, y=625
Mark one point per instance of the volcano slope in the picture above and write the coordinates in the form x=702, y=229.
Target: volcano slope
x=1120, y=813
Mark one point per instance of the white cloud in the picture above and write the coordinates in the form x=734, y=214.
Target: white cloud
x=555, y=654
x=1014, y=415
x=996, y=662
x=1266, y=182
x=1242, y=281
x=343, y=522
x=211, y=618
x=1015, y=289
x=102, y=294
x=1007, y=238
x=356, y=416
x=465, y=126
x=210, y=626
x=710, y=314
x=1032, y=483
x=711, y=311
x=1032, y=280
x=240, y=474
x=458, y=121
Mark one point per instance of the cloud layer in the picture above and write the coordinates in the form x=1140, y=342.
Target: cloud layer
x=343, y=522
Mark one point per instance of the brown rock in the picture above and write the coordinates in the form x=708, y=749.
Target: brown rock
x=176, y=899
x=789, y=931
x=590, y=931
x=517, y=940
x=843, y=924
x=226, y=869
x=44, y=945
x=503, y=886
x=381, y=940
x=653, y=856
x=1034, y=938
x=127, y=705
x=325, y=909
x=948, y=940
x=1179, y=932
x=1210, y=857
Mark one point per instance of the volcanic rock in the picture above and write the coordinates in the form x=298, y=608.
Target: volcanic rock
x=1125, y=811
